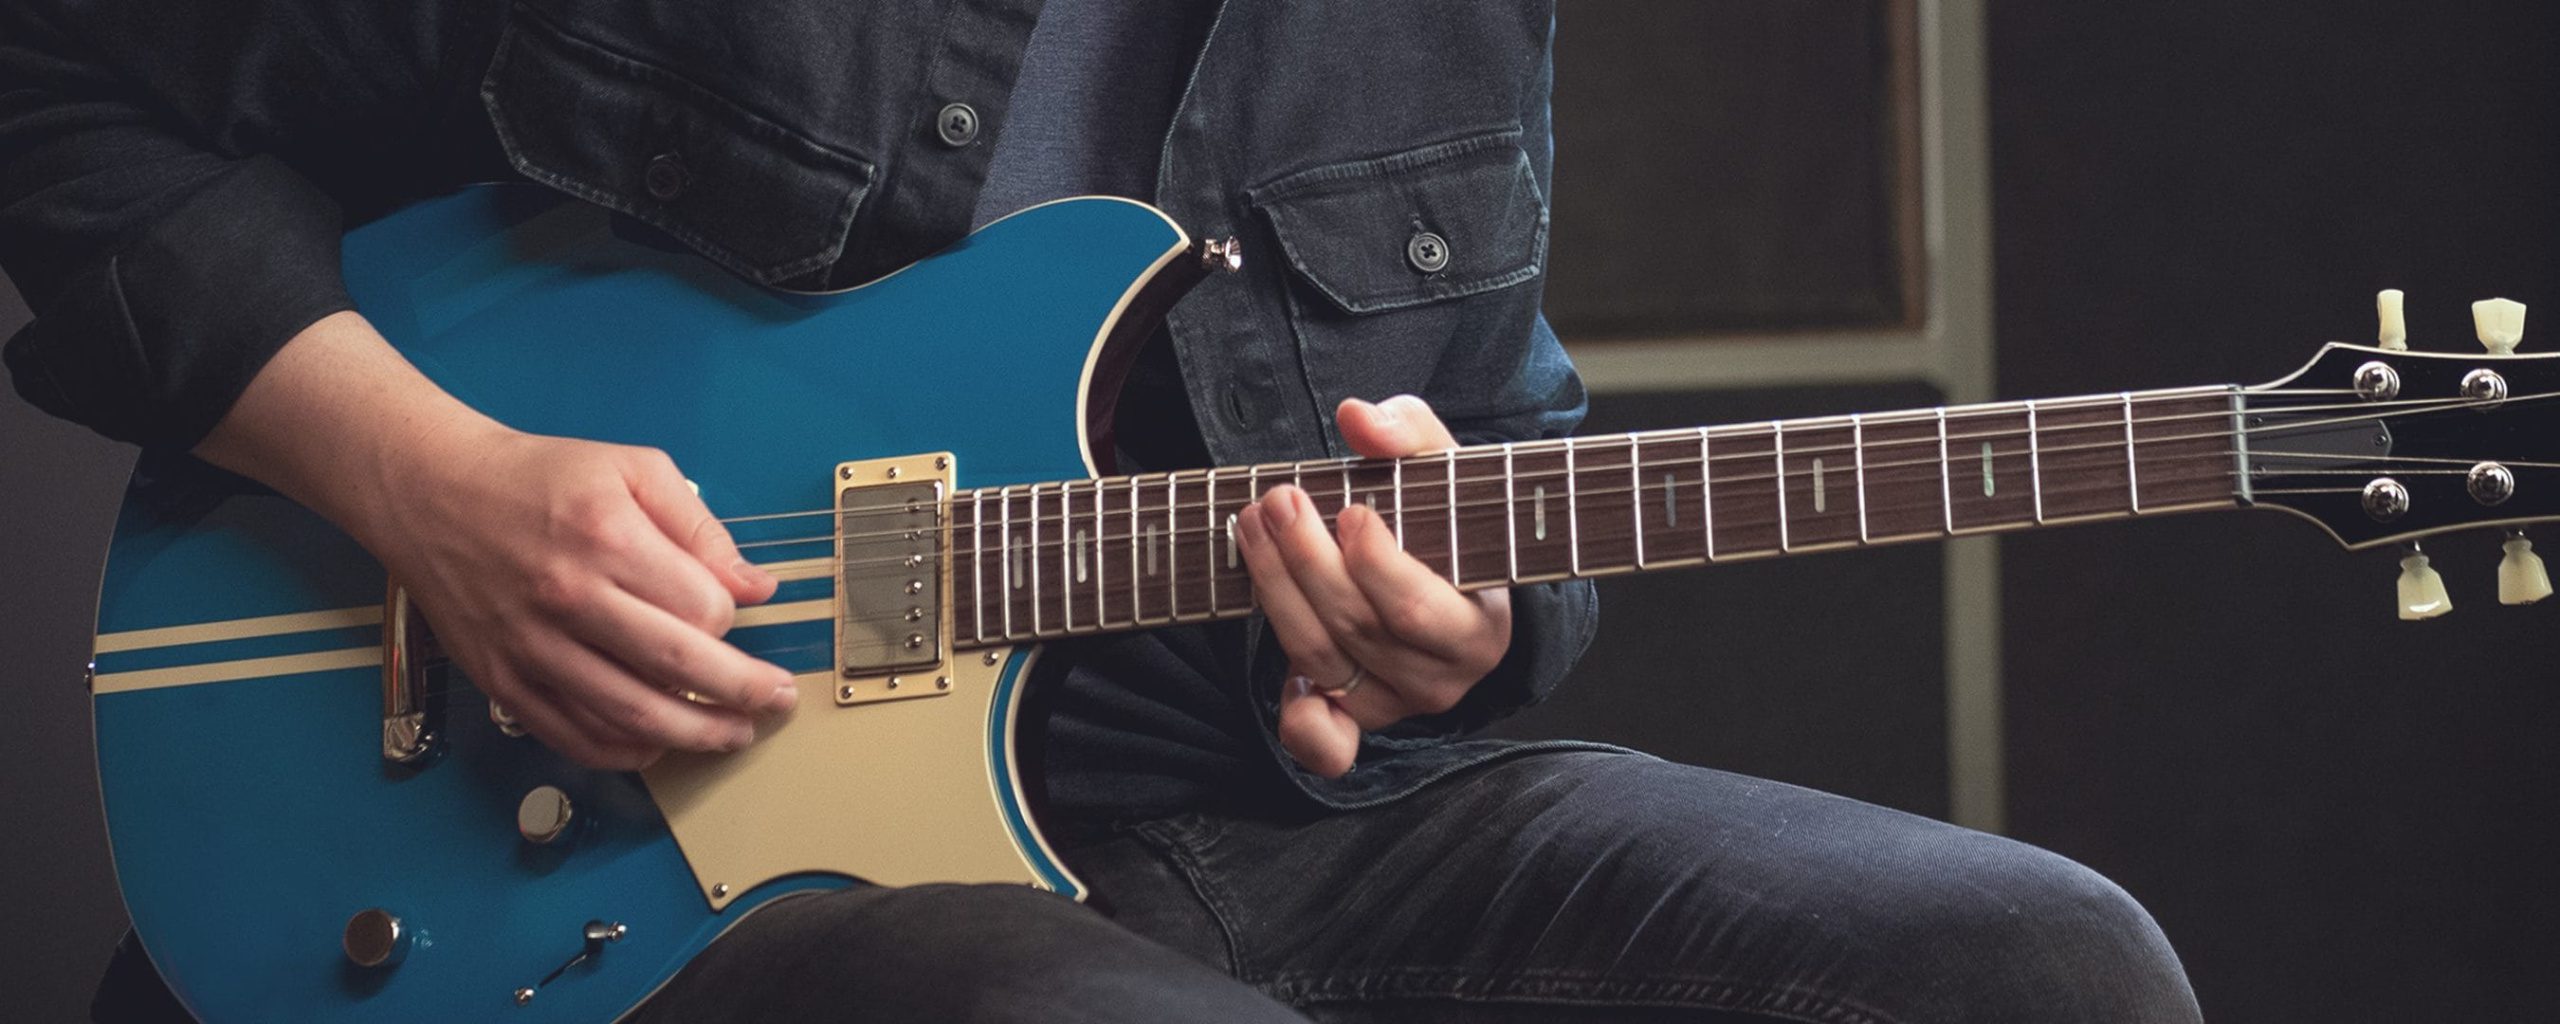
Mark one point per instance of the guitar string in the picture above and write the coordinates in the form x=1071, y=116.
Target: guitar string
x=1611, y=445
x=2113, y=442
x=1741, y=431
x=1932, y=478
x=1108, y=595
x=1123, y=597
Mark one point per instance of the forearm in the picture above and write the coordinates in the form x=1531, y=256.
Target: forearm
x=338, y=418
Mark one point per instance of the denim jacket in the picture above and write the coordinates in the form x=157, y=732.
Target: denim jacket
x=173, y=179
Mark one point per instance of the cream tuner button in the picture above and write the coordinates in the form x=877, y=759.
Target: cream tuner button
x=544, y=815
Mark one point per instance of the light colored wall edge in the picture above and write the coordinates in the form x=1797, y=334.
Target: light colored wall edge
x=1953, y=351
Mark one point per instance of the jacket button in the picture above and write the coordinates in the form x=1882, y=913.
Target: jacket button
x=1427, y=252
x=665, y=177
x=957, y=124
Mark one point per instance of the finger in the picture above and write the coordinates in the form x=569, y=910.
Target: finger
x=1292, y=619
x=670, y=655
x=1317, y=650
x=671, y=502
x=1314, y=563
x=1414, y=605
x=575, y=734
x=650, y=565
x=586, y=680
x=1400, y=426
x=1315, y=730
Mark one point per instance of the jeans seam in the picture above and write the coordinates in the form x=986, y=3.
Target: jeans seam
x=1300, y=988
x=1168, y=836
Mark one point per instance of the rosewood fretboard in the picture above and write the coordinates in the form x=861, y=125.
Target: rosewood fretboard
x=1038, y=561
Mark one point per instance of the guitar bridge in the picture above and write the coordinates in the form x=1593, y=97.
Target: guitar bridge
x=893, y=634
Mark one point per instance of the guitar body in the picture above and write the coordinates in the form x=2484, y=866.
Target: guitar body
x=239, y=681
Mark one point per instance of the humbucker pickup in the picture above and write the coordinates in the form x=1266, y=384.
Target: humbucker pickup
x=891, y=599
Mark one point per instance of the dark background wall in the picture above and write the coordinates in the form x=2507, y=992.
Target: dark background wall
x=2335, y=815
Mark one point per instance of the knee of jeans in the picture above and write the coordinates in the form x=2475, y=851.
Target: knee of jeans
x=2043, y=937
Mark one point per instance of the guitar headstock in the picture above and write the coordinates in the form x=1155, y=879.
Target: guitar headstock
x=2382, y=444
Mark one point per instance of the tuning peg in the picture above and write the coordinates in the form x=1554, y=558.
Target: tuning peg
x=2395, y=328
x=2521, y=578
x=2501, y=324
x=2422, y=593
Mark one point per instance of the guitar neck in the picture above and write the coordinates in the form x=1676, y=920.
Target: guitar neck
x=1052, y=560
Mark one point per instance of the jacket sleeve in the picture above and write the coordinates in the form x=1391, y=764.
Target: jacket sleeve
x=161, y=273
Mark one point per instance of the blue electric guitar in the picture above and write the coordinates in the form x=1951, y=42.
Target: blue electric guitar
x=314, y=819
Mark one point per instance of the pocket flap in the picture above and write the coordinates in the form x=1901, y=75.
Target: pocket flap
x=1438, y=222
x=749, y=193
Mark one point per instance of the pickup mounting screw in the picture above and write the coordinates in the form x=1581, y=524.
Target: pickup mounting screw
x=524, y=997
x=942, y=682
x=942, y=462
x=894, y=681
x=719, y=890
x=844, y=472
x=992, y=657
x=844, y=692
x=893, y=472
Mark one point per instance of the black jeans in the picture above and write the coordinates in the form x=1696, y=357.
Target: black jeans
x=1552, y=886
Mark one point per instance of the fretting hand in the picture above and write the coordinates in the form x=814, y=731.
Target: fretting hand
x=1373, y=635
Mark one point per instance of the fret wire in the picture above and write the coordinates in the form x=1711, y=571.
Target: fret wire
x=1572, y=516
x=1101, y=565
x=1137, y=611
x=1399, y=486
x=978, y=560
x=1209, y=522
x=1510, y=512
x=2132, y=484
x=1635, y=494
x=1858, y=450
x=2035, y=462
x=2240, y=440
x=1035, y=559
x=1457, y=570
x=1066, y=556
x=1946, y=488
x=1778, y=442
x=1706, y=493
x=1172, y=550
x=1004, y=563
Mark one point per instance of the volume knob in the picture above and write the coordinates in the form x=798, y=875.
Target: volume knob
x=544, y=815
x=375, y=938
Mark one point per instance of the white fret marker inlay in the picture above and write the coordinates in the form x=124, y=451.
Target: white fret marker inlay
x=1820, y=502
x=1539, y=496
x=1080, y=573
x=1670, y=507
x=1020, y=574
x=1989, y=489
x=1231, y=542
x=1151, y=549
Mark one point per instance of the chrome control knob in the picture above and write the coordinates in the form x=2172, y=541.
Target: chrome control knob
x=375, y=938
x=544, y=815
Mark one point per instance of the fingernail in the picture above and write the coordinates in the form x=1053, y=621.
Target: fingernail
x=751, y=572
x=787, y=695
x=1284, y=511
x=1302, y=686
x=1385, y=414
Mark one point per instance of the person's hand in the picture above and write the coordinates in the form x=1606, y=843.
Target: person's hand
x=584, y=587
x=580, y=585
x=1361, y=608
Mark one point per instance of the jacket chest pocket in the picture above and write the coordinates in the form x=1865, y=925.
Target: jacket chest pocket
x=748, y=192
x=1406, y=266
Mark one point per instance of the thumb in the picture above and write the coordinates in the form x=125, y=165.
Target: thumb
x=1400, y=426
x=1315, y=730
x=671, y=503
